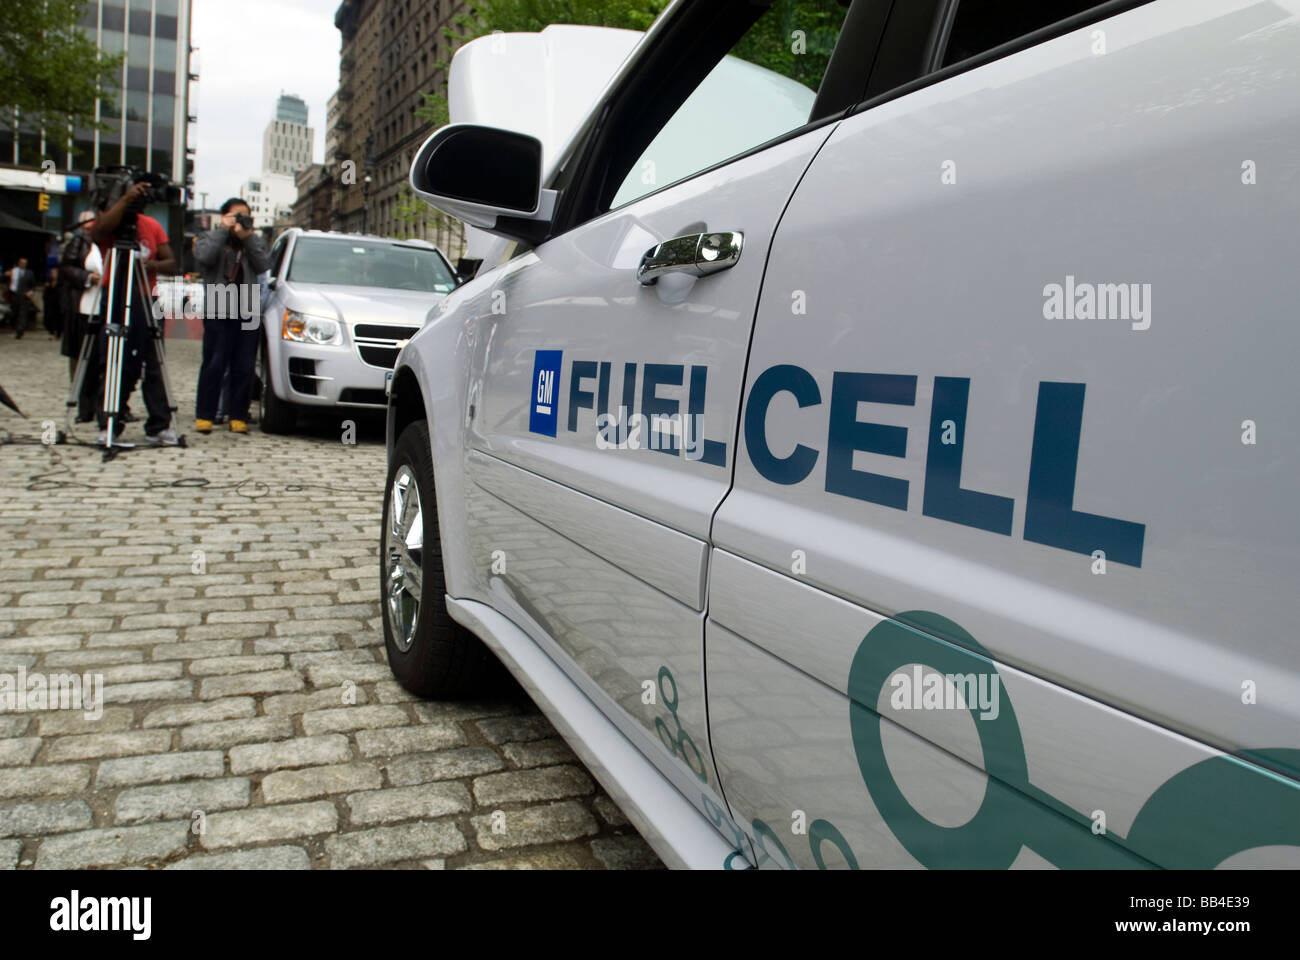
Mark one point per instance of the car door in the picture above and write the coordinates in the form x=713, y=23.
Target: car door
x=1003, y=565
x=603, y=410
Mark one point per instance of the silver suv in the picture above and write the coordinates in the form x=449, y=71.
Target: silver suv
x=340, y=306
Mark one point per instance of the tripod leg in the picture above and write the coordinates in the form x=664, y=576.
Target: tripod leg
x=121, y=271
x=83, y=367
x=156, y=329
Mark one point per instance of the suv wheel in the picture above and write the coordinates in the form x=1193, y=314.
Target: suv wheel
x=277, y=416
x=430, y=654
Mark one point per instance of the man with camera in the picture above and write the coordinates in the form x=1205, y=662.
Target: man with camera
x=125, y=217
x=233, y=253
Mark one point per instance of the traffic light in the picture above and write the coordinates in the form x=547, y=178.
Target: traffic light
x=43, y=202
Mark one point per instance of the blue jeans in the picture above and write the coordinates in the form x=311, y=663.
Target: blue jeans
x=226, y=347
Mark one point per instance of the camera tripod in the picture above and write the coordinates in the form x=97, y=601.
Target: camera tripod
x=126, y=276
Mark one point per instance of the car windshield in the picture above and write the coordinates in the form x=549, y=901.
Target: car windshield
x=359, y=263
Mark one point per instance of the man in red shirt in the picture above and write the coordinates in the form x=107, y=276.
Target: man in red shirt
x=138, y=355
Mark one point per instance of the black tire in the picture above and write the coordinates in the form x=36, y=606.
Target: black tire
x=277, y=416
x=443, y=659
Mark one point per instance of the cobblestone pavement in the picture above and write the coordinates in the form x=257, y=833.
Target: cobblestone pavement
x=227, y=593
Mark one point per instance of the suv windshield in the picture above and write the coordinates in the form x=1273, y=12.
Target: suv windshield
x=361, y=263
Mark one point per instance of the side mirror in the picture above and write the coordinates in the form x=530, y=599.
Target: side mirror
x=488, y=177
x=467, y=268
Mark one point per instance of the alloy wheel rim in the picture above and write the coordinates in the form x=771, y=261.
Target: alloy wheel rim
x=403, y=557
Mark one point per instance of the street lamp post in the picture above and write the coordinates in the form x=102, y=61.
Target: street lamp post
x=365, y=203
x=365, y=185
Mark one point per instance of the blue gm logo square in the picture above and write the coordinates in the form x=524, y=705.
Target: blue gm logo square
x=544, y=405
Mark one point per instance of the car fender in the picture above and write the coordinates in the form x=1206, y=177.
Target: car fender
x=438, y=361
x=275, y=365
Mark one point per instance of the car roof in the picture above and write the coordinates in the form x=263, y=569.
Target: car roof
x=369, y=237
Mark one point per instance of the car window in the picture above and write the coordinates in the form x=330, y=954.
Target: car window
x=360, y=263
x=981, y=25
x=277, y=255
x=763, y=88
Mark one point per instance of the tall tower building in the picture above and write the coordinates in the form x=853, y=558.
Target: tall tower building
x=287, y=142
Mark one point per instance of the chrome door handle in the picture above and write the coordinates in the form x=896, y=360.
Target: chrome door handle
x=698, y=255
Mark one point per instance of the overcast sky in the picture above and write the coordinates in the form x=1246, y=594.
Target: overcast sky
x=250, y=51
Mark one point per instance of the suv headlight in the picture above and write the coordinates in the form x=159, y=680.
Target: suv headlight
x=302, y=328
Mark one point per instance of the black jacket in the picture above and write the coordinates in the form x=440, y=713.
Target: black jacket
x=73, y=280
x=72, y=272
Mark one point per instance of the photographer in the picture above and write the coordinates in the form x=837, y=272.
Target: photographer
x=125, y=217
x=233, y=253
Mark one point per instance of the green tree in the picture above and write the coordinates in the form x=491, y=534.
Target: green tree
x=411, y=211
x=794, y=38
x=49, y=68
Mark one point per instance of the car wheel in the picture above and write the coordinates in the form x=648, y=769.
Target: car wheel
x=430, y=654
x=278, y=416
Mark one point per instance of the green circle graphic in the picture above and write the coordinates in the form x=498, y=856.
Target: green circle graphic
x=1195, y=820
x=992, y=838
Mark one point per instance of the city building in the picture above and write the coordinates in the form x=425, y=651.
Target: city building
x=147, y=121
x=391, y=53
x=269, y=197
x=287, y=142
x=332, y=113
x=314, y=209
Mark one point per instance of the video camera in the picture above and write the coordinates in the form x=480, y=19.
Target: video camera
x=109, y=183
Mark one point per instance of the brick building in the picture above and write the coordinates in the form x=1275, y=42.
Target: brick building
x=317, y=198
x=390, y=53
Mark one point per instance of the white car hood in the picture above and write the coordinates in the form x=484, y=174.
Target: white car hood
x=355, y=305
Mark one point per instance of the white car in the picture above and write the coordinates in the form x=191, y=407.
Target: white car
x=816, y=456
x=340, y=307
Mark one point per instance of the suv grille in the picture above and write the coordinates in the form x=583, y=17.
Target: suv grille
x=377, y=343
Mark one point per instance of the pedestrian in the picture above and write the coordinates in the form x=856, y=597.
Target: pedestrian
x=232, y=253
x=81, y=268
x=52, y=254
x=21, y=283
x=139, y=357
x=51, y=308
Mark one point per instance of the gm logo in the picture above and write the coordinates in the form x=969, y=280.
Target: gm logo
x=543, y=415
